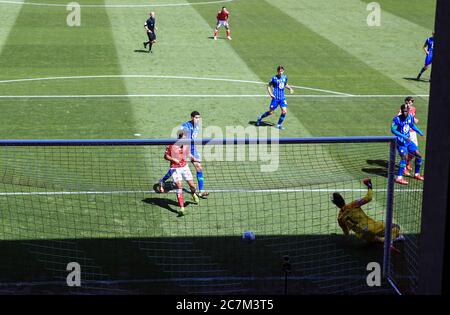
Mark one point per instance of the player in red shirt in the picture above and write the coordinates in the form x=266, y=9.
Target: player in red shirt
x=222, y=20
x=409, y=102
x=177, y=154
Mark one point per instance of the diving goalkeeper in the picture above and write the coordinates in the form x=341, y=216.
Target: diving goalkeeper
x=352, y=218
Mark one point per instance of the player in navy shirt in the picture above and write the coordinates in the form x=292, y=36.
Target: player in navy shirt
x=401, y=126
x=150, y=27
x=276, y=88
x=428, y=49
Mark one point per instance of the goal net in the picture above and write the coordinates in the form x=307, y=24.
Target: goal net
x=93, y=202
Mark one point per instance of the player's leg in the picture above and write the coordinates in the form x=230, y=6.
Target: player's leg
x=272, y=107
x=428, y=59
x=403, y=151
x=283, y=115
x=180, y=197
x=147, y=42
x=200, y=180
x=187, y=176
x=152, y=40
x=227, y=27
x=216, y=30
x=419, y=161
x=408, y=164
x=178, y=179
x=164, y=179
x=193, y=191
x=414, y=139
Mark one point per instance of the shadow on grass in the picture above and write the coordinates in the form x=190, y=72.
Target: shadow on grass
x=380, y=169
x=141, y=51
x=218, y=38
x=165, y=203
x=262, y=124
x=415, y=79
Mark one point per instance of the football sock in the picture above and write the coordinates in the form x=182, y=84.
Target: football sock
x=401, y=167
x=150, y=46
x=200, y=180
x=280, y=121
x=228, y=33
x=421, y=71
x=418, y=164
x=264, y=115
x=409, y=158
x=167, y=176
x=180, y=198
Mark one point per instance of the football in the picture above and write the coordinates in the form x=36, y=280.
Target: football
x=248, y=236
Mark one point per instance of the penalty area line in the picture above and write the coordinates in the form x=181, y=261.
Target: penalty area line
x=161, y=77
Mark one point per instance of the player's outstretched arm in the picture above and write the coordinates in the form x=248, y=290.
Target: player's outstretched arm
x=416, y=129
x=367, y=198
x=291, y=90
x=367, y=182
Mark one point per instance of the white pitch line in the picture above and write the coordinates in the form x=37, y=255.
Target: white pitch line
x=114, y=5
x=200, y=96
x=160, y=77
x=123, y=192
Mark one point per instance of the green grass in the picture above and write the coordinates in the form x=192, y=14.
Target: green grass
x=323, y=45
x=106, y=45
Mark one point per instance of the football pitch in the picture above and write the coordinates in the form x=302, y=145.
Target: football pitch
x=96, y=81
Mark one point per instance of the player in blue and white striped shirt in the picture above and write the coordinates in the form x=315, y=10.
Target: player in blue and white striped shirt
x=276, y=88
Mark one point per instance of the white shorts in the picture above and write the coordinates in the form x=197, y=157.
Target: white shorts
x=181, y=173
x=222, y=23
x=413, y=137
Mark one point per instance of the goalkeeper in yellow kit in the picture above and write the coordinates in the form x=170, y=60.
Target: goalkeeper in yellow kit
x=352, y=218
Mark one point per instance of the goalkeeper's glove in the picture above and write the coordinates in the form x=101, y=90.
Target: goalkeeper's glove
x=368, y=183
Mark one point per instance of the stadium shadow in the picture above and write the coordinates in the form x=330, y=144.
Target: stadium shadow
x=319, y=264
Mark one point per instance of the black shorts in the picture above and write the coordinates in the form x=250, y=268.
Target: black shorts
x=151, y=36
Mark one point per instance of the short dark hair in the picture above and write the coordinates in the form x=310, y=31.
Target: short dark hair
x=280, y=67
x=338, y=200
x=403, y=107
x=409, y=98
x=180, y=133
x=195, y=113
